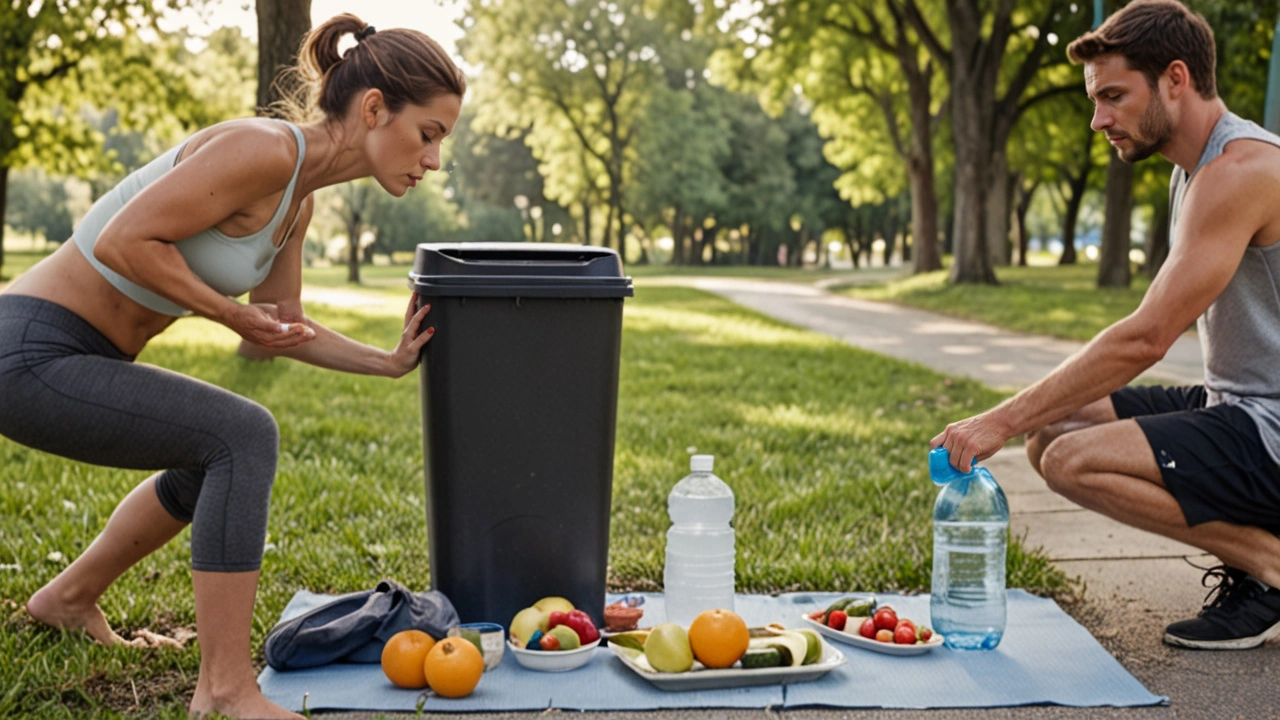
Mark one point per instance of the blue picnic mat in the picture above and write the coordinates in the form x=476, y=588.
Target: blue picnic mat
x=1044, y=658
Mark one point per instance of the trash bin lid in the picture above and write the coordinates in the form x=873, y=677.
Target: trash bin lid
x=518, y=270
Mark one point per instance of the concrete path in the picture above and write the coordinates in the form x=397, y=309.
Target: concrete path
x=1136, y=582
x=999, y=358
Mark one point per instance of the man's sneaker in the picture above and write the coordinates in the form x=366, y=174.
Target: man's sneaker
x=1238, y=614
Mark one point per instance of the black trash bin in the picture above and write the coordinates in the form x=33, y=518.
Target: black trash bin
x=519, y=403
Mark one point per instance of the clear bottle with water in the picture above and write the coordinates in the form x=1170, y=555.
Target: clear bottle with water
x=700, y=544
x=970, y=534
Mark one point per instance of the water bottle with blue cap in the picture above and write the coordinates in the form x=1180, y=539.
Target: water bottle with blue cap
x=970, y=534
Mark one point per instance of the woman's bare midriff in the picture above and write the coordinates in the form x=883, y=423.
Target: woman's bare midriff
x=66, y=278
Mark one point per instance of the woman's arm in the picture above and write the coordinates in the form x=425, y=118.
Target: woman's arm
x=224, y=176
x=328, y=348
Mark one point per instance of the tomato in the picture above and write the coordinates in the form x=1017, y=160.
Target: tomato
x=885, y=618
x=905, y=635
x=549, y=642
x=902, y=622
x=884, y=636
x=868, y=629
x=924, y=633
x=837, y=619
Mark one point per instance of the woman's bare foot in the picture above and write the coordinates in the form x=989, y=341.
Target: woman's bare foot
x=250, y=703
x=45, y=607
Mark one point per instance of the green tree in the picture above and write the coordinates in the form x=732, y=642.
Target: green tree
x=56, y=57
x=677, y=180
x=39, y=205
x=868, y=53
x=578, y=76
x=995, y=54
x=490, y=175
x=424, y=214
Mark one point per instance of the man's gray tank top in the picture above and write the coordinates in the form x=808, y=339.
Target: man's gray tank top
x=1240, y=332
x=231, y=265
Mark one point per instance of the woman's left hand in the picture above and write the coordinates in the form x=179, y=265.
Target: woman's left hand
x=404, y=358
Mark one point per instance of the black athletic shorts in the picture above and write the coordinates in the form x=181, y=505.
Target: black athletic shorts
x=1212, y=459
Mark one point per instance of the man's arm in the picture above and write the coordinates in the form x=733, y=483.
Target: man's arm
x=1222, y=211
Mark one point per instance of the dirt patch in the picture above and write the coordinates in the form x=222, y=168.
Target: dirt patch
x=132, y=696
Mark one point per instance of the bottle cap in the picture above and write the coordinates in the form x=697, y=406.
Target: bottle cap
x=702, y=463
x=941, y=472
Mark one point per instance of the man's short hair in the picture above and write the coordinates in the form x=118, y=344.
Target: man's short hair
x=1151, y=34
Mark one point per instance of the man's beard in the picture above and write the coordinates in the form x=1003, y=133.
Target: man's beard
x=1155, y=127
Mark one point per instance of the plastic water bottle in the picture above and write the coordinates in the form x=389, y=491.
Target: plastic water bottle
x=970, y=532
x=700, y=550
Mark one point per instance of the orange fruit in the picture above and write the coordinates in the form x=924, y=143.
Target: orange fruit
x=718, y=638
x=403, y=656
x=453, y=667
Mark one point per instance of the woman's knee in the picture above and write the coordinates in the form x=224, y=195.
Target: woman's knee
x=178, y=491
x=260, y=426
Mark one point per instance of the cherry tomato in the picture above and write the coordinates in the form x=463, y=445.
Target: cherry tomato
x=549, y=642
x=837, y=619
x=868, y=629
x=885, y=618
x=884, y=636
x=902, y=622
x=924, y=633
x=905, y=635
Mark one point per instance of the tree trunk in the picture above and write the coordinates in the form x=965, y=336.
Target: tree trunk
x=677, y=236
x=353, y=248
x=281, y=25
x=1157, y=249
x=1076, y=187
x=1113, y=267
x=4, y=208
x=924, y=194
x=709, y=239
x=973, y=84
x=586, y=221
x=998, y=212
x=1025, y=194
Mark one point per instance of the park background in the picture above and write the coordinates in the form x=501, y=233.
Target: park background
x=935, y=154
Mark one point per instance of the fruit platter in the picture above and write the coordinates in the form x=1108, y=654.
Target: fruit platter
x=863, y=623
x=718, y=650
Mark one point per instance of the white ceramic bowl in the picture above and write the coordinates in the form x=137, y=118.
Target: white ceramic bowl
x=555, y=660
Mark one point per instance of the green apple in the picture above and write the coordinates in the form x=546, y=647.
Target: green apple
x=667, y=648
x=526, y=622
x=549, y=605
x=568, y=638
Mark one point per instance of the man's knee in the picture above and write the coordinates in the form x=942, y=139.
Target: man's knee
x=1062, y=464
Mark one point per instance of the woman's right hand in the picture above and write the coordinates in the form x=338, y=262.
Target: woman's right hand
x=260, y=324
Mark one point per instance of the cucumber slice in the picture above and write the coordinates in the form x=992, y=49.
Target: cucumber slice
x=762, y=658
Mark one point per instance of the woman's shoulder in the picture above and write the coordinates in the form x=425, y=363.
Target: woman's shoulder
x=265, y=145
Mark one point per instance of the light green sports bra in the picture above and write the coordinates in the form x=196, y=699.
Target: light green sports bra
x=231, y=265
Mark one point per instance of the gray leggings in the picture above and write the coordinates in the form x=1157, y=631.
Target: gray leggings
x=66, y=389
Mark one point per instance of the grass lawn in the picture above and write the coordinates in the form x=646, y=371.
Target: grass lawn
x=1061, y=301
x=823, y=444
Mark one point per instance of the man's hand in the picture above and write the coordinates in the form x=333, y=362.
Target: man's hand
x=976, y=438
